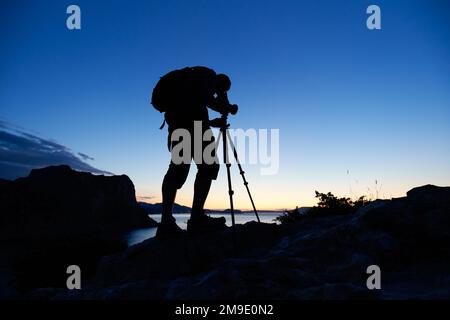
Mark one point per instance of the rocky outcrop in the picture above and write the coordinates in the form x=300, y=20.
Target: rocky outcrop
x=58, y=200
x=56, y=217
x=322, y=257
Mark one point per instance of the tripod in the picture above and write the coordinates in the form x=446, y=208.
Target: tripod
x=227, y=138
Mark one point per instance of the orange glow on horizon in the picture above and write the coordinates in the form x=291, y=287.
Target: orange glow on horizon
x=267, y=203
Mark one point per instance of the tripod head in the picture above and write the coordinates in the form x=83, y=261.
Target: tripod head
x=232, y=109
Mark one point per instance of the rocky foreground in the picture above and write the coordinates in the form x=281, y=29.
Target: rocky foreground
x=315, y=258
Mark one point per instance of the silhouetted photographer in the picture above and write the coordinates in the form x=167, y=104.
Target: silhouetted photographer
x=184, y=96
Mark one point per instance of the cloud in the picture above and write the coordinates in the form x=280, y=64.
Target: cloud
x=85, y=156
x=21, y=151
x=145, y=197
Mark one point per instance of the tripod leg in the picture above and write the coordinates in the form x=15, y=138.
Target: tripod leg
x=230, y=187
x=242, y=172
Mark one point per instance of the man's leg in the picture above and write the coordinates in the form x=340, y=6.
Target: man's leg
x=205, y=175
x=173, y=180
x=201, y=189
x=199, y=221
x=207, y=172
x=169, y=192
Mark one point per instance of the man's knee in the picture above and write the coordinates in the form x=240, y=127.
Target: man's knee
x=177, y=175
x=209, y=171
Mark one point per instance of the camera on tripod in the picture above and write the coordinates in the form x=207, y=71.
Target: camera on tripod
x=222, y=98
x=233, y=109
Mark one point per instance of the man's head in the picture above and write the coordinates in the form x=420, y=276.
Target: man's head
x=223, y=83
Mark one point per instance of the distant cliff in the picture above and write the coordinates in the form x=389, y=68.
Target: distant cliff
x=59, y=201
x=156, y=208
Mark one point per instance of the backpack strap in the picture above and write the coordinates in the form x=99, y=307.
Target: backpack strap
x=162, y=125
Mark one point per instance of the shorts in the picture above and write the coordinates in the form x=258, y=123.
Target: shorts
x=178, y=172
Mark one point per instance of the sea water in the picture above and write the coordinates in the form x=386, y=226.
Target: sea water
x=140, y=235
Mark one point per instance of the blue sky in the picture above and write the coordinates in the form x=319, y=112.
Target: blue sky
x=352, y=105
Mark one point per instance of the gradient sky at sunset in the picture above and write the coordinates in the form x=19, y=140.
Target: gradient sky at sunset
x=353, y=106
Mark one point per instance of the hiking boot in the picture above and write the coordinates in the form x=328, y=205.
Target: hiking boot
x=204, y=223
x=169, y=230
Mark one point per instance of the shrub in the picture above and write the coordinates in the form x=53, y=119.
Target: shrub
x=328, y=205
x=289, y=216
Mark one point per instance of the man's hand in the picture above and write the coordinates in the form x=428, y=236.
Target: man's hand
x=218, y=123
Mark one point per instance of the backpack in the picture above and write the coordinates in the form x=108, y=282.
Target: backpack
x=174, y=90
x=166, y=93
